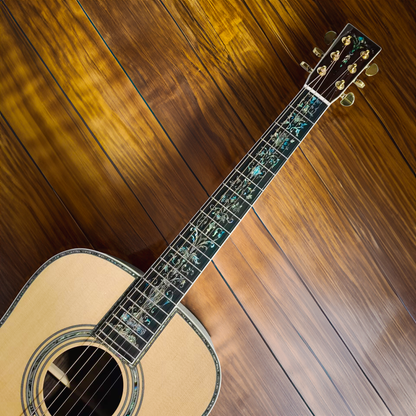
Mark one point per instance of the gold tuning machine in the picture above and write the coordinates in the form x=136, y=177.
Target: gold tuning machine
x=330, y=37
x=340, y=84
x=318, y=52
x=347, y=100
x=371, y=70
x=359, y=83
x=306, y=67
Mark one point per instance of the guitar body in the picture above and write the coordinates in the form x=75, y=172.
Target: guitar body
x=52, y=321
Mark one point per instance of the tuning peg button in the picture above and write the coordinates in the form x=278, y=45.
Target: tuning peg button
x=359, y=83
x=306, y=67
x=371, y=70
x=347, y=100
x=318, y=52
x=330, y=37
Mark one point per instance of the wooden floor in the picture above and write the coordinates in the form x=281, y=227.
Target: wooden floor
x=119, y=118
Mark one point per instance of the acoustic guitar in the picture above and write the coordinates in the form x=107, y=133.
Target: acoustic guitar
x=91, y=335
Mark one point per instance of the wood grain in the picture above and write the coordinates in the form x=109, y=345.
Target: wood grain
x=302, y=25
x=295, y=328
x=68, y=155
x=343, y=277
x=113, y=110
x=318, y=309
x=34, y=223
x=253, y=382
x=175, y=84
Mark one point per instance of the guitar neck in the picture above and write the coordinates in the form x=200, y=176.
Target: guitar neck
x=146, y=307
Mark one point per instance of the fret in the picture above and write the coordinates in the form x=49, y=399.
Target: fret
x=168, y=296
x=169, y=274
x=283, y=141
x=129, y=352
x=180, y=264
x=216, y=211
x=188, y=253
x=211, y=228
x=295, y=124
x=309, y=106
x=134, y=307
x=127, y=319
x=120, y=333
x=255, y=172
x=231, y=201
x=197, y=238
x=149, y=302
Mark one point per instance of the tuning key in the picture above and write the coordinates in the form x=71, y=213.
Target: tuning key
x=371, y=70
x=347, y=100
x=306, y=67
x=318, y=52
x=330, y=37
x=359, y=83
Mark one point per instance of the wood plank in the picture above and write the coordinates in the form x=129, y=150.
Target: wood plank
x=34, y=224
x=301, y=26
x=208, y=26
x=365, y=173
x=175, y=85
x=240, y=58
x=348, y=285
x=113, y=110
x=68, y=155
x=253, y=382
x=293, y=326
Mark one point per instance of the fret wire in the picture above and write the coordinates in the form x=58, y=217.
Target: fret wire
x=196, y=248
x=287, y=131
x=187, y=239
x=211, y=201
x=171, y=265
x=302, y=115
x=135, y=318
x=276, y=121
x=217, y=202
x=278, y=151
x=125, y=339
x=216, y=222
x=250, y=180
x=160, y=323
x=132, y=330
x=297, y=145
x=135, y=334
x=167, y=281
x=254, y=160
x=234, y=193
x=152, y=268
x=202, y=232
x=114, y=342
x=180, y=255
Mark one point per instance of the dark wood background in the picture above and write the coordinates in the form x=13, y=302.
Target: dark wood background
x=118, y=118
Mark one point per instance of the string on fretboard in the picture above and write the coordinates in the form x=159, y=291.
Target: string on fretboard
x=131, y=326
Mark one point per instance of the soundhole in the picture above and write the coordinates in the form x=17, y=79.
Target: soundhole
x=84, y=381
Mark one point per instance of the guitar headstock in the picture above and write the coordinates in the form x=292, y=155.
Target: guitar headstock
x=349, y=55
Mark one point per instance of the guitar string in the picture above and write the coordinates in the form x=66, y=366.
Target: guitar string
x=333, y=63
x=339, y=76
x=275, y=123
x=89, y=345
x=89, y=385
x=102, y=398
x=64, y=374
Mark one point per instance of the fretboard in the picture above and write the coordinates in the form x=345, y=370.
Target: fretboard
x=143, y=311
